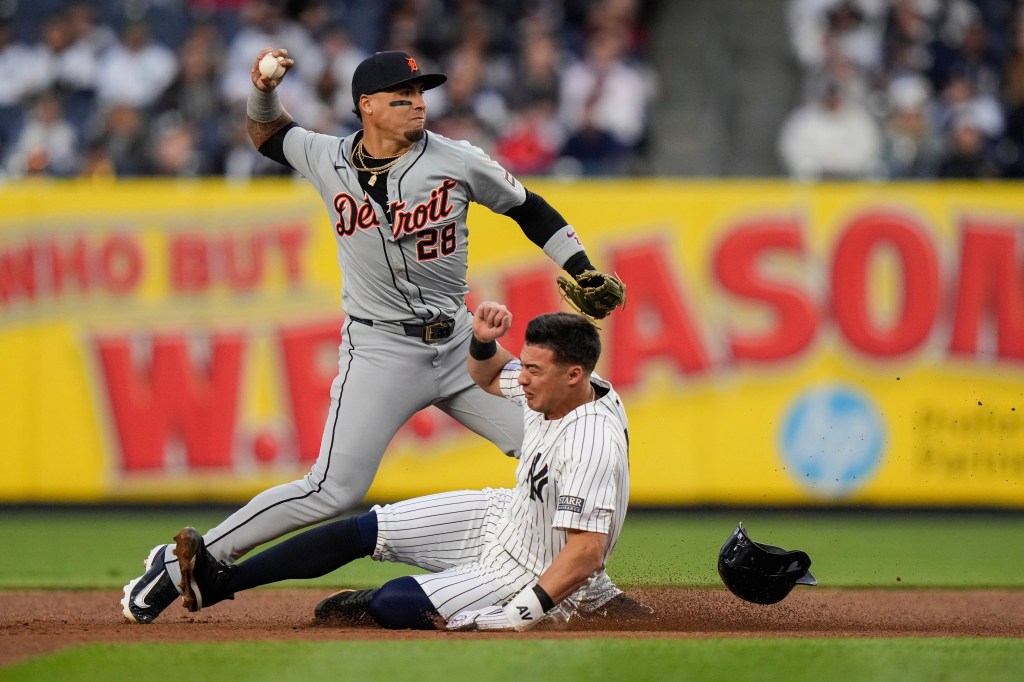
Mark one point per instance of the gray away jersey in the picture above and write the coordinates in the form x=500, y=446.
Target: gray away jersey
x=406, y=261
x=573, y=474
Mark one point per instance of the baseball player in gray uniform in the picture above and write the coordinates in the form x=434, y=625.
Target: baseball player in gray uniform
x=499, y=559
x=397, y=197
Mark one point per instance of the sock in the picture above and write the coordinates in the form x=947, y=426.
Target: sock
x=577, y=263
x=311, y=554
x=402, y=604
x=171, y=566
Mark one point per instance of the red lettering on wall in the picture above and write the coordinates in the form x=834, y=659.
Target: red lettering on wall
x=238, y=261
x=736, y=262
x=290, y=240
x=69, y=262
x=18, y=276
x=49, y=266
x=190, y=263
x=851, y=272
x=121, y=264
x=310, y=363
x=656, y=323
x=991, y=286
x=528, y=293
x=244, y=258
x=174, y=396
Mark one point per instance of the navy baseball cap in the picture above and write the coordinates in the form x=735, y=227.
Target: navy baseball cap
x=385, y=70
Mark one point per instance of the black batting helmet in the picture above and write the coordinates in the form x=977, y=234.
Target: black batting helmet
x=763, y=574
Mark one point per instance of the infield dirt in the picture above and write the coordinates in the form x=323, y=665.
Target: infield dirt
x=34, y=623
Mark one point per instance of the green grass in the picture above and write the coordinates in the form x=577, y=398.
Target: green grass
x=736, y=660
x=103, y=549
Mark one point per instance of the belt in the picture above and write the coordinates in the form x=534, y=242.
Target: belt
x=434, y=332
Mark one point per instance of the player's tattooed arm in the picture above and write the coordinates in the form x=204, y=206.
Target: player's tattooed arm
x=259, y=133
x=265, y=116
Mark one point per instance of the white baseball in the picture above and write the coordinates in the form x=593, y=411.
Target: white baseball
x=270, y=66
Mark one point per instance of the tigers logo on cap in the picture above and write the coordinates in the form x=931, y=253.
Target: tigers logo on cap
x=390, y=69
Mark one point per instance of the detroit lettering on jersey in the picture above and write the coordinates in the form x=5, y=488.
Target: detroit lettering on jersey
x=353, y=214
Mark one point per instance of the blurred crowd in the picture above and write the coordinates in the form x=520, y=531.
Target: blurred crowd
x=120, y=88
x=907, y=89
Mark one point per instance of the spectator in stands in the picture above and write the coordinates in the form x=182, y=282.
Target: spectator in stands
x=129, y=93
x=830, y=138
x=536, y=74
x=195, y=94
x=135, y=71
x=18, y=82
x=912, y=146
x=531, y=144
x=1013, y=102
x=471, y=109
x=121, y=134
x=47, y=144
x=960, y=99
x=851, y=32
x=342, y=56
x=857, y=85
x=97, y=164
x=68, y=64
x=909, y=32
x=264, y=23
x=443, y=28
x=241, y=161
x=965, y=50
x=86, y=31
x=78, y=70
x=173, y=148
x=967, y=157
x=851, y=27
x=604, y=105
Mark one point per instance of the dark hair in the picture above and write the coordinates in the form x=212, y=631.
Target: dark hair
x=572, y=338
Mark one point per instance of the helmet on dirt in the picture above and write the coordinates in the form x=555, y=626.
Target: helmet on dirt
x=763, y=574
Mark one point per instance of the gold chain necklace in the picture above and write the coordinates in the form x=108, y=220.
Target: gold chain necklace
x=359, y=160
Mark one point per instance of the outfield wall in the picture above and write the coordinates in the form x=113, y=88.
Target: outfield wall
x=782, y=344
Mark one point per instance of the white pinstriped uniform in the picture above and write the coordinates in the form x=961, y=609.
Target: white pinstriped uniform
x=485, y=545
x=401, y=263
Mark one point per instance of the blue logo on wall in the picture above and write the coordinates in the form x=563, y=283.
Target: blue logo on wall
x=833, y=439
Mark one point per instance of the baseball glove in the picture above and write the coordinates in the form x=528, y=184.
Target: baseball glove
x=592, y=293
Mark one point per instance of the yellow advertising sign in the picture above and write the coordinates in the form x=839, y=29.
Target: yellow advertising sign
x=782, y=344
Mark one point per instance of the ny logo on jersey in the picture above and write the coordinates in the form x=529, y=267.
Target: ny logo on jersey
x=538, y=479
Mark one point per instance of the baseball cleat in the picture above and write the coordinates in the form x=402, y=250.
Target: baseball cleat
x=349, y=606
x=624, y=607
x=147, y=596
x=202, y=577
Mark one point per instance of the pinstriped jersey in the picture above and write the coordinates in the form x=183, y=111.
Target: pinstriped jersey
x=573, y=473
x=407, y=261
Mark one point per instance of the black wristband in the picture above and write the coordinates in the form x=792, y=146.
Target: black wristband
x=545, y=600
x=578, y=263
x=480, y=350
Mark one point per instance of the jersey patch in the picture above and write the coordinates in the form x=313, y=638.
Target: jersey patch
x=570, y=504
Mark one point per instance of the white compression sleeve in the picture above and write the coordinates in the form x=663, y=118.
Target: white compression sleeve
x=263, y=107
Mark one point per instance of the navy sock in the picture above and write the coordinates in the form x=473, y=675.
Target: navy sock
x=311, y=554
x=402, y=604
